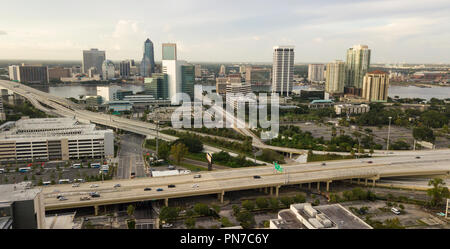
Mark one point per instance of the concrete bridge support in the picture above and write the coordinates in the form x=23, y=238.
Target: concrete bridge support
x=309, y=185
x=265, y=190
x=328, y=185
x=277, y=190
x=96, y=210
x=166, y=202
x=358, y=180
x=318, y=186
x=220, y=196
x=366, y=182
x=271, y=190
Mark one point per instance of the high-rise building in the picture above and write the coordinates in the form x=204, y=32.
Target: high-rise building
x=198, y=71
x=93, y=58
x=108, y=70
x=335, y=77
x=221, y=85
x=125, y=69
x=222, y=70
x=257, y=76
x=169, y=51
x=283, y=69
x=148, y=59
x=315, y=72
x=157, y=86
x=188, y=80
x=57, y=73
x=375, y=86
x=235, y=93
x=2, y=111
x=358, y=62
x=29, y=74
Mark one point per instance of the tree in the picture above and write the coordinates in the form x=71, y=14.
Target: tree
x=248, y=205
x=299, y=198
x=25, y=178
x=274, y=204
x=163, y=150
x=246, y=219
x=438, y=192
x=225, y=222
x=201, y=209
x=130, y=210
x=193, y=144
x=262, y=203
x=287, y=201
x=168, y=213
x=236, y=209
x=190, y=222
x=423, y=134
x=178, y=151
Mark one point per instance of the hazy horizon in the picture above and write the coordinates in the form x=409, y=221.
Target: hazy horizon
x=399, y=31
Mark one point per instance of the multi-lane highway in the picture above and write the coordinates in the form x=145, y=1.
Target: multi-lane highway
x=220, y=182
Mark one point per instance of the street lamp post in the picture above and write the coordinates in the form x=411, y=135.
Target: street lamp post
x=389, y=133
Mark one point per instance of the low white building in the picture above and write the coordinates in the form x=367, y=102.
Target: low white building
x=53, y=139
x=351, y=109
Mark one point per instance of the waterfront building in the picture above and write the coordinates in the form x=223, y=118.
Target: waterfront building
x=357, y=65
x=375, y=87
x=93, y=58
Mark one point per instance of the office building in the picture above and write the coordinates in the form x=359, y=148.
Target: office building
x=351, y=109
x=221, y=85
x=335, y=77
x=157, y=86
x=188, y=80
x=375, y=87
x=93, y=58
x=148, y=59
x=305, y=216
x=198, y=71
x=235, y=94
x=358, y=62
x=2, y=111
x=21, y=207
x=56, y=73
x=316, y=72
x=29, y=74
x=169, y=51
x=108, y=70
x=222, y=70
x=125, y=69
x=283, y=69
x=53, y=139
x=107, y=92
x=121, y=94
x=257, y=76
x=320, y=104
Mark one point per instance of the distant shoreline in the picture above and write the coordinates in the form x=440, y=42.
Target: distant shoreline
x=406, y=84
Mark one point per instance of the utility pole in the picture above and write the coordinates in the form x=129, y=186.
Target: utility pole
x=389, y=133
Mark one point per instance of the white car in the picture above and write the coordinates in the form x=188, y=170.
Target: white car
x=195, y=186
x=94, y=186
x=167, y=225
x=75, y=185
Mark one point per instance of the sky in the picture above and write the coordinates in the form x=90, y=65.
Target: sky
x=397, y=31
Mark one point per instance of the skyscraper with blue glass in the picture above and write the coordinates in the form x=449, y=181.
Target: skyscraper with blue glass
x=148, y=59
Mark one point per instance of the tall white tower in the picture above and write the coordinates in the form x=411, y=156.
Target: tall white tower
x=283, y=69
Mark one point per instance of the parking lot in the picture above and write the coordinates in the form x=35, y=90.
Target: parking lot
x=48, y=172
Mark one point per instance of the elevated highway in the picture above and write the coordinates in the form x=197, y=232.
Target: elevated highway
x=220, y=182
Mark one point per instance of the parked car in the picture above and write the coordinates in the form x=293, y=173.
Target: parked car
x=171, y=186
x=197, y=176
x=147, y=189
x=395, y=211
x=256, y=177
x=85, y=198
x=159, y=189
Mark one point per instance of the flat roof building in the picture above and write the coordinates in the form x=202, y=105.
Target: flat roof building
x=21, y=207
x=53, y=139
x=305, y=216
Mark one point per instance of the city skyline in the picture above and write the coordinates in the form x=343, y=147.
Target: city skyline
x=397, y=31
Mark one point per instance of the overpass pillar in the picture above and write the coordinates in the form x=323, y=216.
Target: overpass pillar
x=358, y=180
x=96, y=210
x=290, y=155
x=373, y=182
x=166, y=202
x=328, y=185
x=351, y=180
x=271, y=191
x=265, y=190
x=309, y=185
x=318, y=186
x=220, y=196
x=366, y=181
x=276, y=190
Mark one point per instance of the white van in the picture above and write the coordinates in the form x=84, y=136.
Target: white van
x=395, y=211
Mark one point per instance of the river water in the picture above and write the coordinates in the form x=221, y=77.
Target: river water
x=401, y=91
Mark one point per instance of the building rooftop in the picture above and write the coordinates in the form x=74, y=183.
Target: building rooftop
x=17, y=192
x=318, y=101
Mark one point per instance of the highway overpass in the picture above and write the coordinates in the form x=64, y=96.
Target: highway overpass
x=223, y=181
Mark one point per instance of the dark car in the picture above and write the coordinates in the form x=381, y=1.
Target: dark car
x=147, y=189
x=256, y=177
x=171, y=186
x=160, y=189
x=369, y=162
x=417, y=157
x=94, y=194
x=323, y=164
